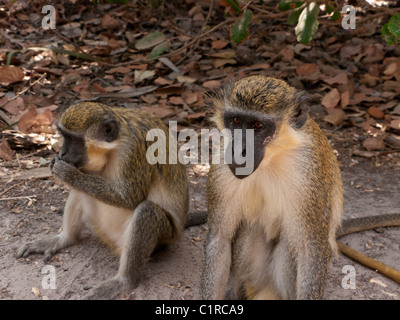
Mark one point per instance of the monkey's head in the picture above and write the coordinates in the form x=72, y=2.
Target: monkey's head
x=262, y=104
x=90, y=131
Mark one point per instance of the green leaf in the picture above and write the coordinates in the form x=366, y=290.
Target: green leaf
x=294, y=16
x=336, y=16
x=389, y=38
x=283, y=6
x=159, y=49
x=329, y=9
x=394, y=25
x=149, y=41
x=234, y=4
x=308, y=23
x=240, y=30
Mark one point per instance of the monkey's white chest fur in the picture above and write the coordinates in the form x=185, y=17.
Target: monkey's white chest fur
x=259, y=205
x=109, y=222
x=265, y=197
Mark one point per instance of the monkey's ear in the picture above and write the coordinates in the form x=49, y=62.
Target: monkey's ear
x=109, y=130
x=301, y=115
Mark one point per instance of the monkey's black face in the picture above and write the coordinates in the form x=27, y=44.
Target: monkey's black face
x=73, y=151
x=250, y=132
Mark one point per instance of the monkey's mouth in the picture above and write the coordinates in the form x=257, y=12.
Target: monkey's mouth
x=245, y=169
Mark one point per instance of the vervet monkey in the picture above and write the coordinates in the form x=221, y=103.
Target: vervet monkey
x=272, y=231
x=134, y=206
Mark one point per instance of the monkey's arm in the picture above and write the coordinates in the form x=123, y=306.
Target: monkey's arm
x=216, y=265
x=122, y=196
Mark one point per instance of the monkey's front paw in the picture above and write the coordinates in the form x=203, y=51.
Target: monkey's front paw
x=62, y=170
x=46, y=246
x=108, y=289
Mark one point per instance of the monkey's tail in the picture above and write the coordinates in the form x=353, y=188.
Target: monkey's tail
x=196, y=218
x=367, y=223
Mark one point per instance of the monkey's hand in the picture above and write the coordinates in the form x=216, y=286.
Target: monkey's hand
x=47, y=246
x=63, y=170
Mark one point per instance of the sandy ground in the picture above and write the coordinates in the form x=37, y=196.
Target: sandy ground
x=174, y=273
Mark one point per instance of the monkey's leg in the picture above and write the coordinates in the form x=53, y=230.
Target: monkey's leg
x=70, y=234
x=149, y=228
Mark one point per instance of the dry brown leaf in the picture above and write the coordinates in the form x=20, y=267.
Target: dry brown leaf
x=185, y=79
x=175, y=89
x=392, y=69
x=6, y=152
x=331, y=99
x=122, y=70
x=212, y=84
x=367, y=126
x=14, y=106
x=219, y=44
x=83, y=89
x=376, y=113
x=340, y=78
x=306, y=69
x=373, y=143
x=349, y=51
x=176, y=100
x=191, y=98
x=149, y=98
x=98, y=88
x=227, y=54
x=363, y=153
x=198, y=17
x=10, y=74
x=160, y=112
x=393, y=140
x=109, y=22
x=396, y=110
x=221, y=62
x=141, y=75
x=335, y=116
x=36, y=121
x=344, y=98
x=391, y=86
x=287, y=54
x=101, y=51
x=160, y=81
x=395, y=124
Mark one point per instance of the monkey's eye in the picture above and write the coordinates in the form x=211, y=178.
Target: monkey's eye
x=257, y=125
x=236, y=120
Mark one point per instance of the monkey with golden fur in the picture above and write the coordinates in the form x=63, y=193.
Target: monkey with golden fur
x=134, y=206
x=272, y=231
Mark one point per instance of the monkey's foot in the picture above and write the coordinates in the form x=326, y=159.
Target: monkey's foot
x=109, y=289
x=47, y=246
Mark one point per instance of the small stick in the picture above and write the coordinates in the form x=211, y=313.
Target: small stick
x=11, y=188
x=21, y=197
x=29, y=86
